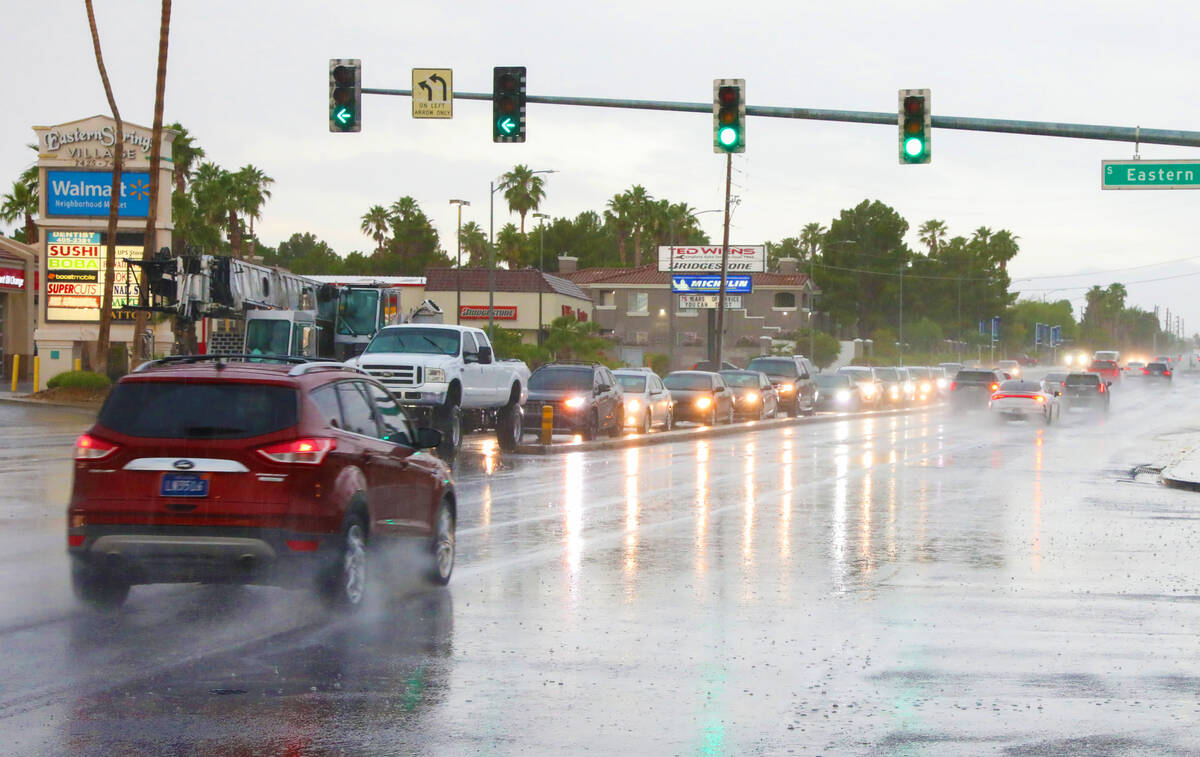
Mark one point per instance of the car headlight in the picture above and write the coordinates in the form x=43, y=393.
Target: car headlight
x=843, y=395
x=574, y=403
x=787, y=387
x=925, y=387
x=868, y=390
x=895, y=392
x=632, y=406
x=750, y=397
x=703, y=403
x=435, y=375
x=942, y=383
x=908, y=386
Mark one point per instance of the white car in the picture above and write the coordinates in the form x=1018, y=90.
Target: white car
x=1011, y=367
x=1017, y=398
x=647, y=402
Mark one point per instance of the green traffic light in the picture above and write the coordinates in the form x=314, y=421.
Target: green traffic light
x=727, y=136
x=913, y=147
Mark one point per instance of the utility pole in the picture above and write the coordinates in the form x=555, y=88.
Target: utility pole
x=458, y=270
x=724, y=264
x=812, y=334
x=901, y=314
x=541, y=268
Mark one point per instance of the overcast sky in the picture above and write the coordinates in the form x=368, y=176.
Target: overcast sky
x=249, y=80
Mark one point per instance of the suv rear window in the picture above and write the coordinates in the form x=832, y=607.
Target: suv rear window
x=980, y=377
x=1103, y=365
x=562, y=378
x=195, y=410
x=774, y=366
x=1083, y=379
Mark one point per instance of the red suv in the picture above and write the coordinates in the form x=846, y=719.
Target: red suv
x=1107, y=369
x=220, y=470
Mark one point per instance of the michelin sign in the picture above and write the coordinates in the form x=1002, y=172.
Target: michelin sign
x=86, y=193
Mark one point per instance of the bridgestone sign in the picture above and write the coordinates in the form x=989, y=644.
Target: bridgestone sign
x=742, y=259
x=480, y=312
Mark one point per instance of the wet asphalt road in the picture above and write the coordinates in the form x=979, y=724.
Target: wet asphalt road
x=915, y=585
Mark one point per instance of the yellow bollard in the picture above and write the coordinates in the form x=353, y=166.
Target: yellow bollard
x=36, y=366
x=16, y=370
x=78, y=364
x=547, y=423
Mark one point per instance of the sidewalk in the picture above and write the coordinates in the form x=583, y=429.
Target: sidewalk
x=1184, y=471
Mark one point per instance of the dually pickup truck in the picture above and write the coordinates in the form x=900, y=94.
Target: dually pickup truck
x=448, y=377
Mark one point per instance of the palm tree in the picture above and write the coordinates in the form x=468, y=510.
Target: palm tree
x=184, y=153
x=618, y=214
x=375, y=225
x=114, y=206
x=254, y=191
x=640, y=210
x=523, y=190
x=509, y=244
x=474, y=241
x=21, y=202
x=139, y=327
x=933, y=235
x=812, y=239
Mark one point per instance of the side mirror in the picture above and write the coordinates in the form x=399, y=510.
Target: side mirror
x=485, y=355
x=1108, y=383
x=601, y=389
x=428, y=438
x=718, y=390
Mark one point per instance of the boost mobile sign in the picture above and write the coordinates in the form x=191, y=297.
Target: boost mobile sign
x=688, y=259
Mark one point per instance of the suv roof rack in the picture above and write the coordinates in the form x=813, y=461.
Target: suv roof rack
x=300, y=362
x=570, y=362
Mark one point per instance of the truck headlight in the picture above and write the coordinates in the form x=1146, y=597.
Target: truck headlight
x=843, y=395
x=750, y=398
x=435, y=375
x=703, y=403
x=574, y=403
x=786, y=387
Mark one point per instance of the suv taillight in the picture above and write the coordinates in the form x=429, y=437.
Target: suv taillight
x=953, y=386
x=90, y=448
x=300, y=451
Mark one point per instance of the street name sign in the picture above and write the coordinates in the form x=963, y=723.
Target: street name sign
x=1150, y=174
x=707, y=258
x=704, y=301
x=432, y=93
x=686, y=284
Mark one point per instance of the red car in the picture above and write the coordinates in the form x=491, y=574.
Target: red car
x=1108, y=370
x=206, y=469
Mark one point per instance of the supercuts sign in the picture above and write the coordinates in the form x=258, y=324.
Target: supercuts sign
x=12, y=278
x=742, y=259
x=480, y=312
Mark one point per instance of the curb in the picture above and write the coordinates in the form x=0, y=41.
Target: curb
x=50, y=403
x=1178, y=483
x=689, y=434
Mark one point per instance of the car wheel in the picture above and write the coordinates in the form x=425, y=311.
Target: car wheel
x=344, y=585
x=97, y=589
x=646, y=423
x=618, y=423
x=509, y=427
x=449, y=422
x=1047, y=417
x=670, y=422
x=729, y=418
x=442, y=547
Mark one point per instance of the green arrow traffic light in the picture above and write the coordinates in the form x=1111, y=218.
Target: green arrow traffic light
x=345, y=94
x=506, y=125
x=508, y=104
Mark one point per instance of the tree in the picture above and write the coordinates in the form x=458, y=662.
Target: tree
x=413, y=245
x=253, y=189
x=523, y=190
x=788, y=247
x=474, y=242
x=375, y=225
x=640, y=217
x=21, y=202
x=510, y=247
x=114, y=204
x=933, y=235
x=570, y=339
x=143, y=347
x=812, y=238
x=620, y=216
x=305, y=254
x=184, y=155
x=825, y=348
x=924, y=335
x=863, y=254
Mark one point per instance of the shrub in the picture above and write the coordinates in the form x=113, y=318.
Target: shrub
x=659, y=362
x=79, y=380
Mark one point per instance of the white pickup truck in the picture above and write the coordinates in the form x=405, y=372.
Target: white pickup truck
x=448, y=376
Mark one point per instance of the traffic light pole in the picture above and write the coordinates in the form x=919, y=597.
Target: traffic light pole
x=1134, y=134
x=724, y=265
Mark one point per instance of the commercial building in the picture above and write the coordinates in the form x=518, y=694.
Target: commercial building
x=523, y=298
x=18, y=273
x=637, y=309
x=75, y=162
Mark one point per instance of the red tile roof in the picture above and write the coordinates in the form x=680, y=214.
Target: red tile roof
x=521, y=280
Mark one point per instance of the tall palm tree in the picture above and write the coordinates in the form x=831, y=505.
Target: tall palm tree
x=640, y=217
x=933, y=235
x=254, y=190
x=184, y=153
x=619, y=214
x=523, y=190
x=509, y=246
x=160, y=86
x=812, y=239
x=100, y=359
x=375, y=225
x=21, y=202
x=474, y=241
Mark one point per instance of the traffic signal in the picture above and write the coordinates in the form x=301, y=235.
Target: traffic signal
x=914, y=126
x=729, y=115
x=508, y=104
x=345, y=94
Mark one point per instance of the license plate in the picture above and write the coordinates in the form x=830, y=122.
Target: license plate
x=184, y=485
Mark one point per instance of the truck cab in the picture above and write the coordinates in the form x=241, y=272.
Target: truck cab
x=282, y=332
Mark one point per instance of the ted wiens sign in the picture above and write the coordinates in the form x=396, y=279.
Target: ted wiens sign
x=688, y=259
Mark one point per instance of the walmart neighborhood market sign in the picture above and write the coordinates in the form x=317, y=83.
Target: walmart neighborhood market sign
x=86, y=193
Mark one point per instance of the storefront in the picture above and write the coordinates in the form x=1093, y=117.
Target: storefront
x=18, y=265
x=523, y=299
x=75, y=177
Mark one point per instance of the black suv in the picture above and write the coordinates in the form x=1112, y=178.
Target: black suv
x=791, y=376
x=973, y=388
x=586, y=398
x=1086, y=390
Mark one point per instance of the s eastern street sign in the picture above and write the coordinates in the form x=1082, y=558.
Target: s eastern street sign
x=433, y=93
x=685, y=284
x=706, y=301
x=742, y=259
x=1150, y=174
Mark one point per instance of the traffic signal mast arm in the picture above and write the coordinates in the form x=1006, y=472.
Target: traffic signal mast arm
x=1003, y=126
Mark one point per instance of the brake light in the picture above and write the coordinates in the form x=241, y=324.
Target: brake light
x=300, y=451
x=90, y=448
x=1102, y=388
x=953, y=386
x=995, y=387
x=1040, y=398
x=75, y=540
x=305, y=545
x=1166, y=373
x=1145, y=371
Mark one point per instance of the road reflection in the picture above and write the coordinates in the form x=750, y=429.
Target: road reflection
x=630, y=564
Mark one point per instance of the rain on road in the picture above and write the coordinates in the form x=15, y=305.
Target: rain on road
x=920, y=584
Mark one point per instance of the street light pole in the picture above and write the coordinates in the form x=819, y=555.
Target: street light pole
x=541, y=268
x=492, y=187
x=458, y=270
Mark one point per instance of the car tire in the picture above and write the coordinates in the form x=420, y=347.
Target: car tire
x=647, y=422
x=442, y=548
x=97, y=589
x=670, y=422
x=730, y=418
x=448, y=420
x=510, y=426
x=344, y=583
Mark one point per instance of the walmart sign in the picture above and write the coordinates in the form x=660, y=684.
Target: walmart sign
x=86, y=193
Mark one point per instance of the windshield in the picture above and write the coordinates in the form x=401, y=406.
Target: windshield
x=778, y=367
x=579, y=379
x=635, y=384
x=1083, y=379
x=358, y=312
x=425, y=341
x=268, y=337
x=688, y=381
x=887, y=374
x=740, y=379
x=827, y=381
